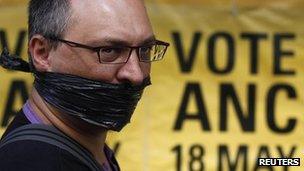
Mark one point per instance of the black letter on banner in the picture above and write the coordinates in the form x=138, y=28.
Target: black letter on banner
x=212, y=50
x=223, y=153
x=19, y=43
x=116, y=148
x=291, y=153
x=271, y=108
x=186, y=63
x=263, y=153
x=279, y=53
x=16, y=86
x=228, y=92
x=254, y=39
x=192, y=88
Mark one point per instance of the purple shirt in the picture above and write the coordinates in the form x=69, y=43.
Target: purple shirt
x=34, y=119
x=30, y=114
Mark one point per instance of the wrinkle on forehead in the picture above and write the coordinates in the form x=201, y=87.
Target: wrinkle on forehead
x=126, y=18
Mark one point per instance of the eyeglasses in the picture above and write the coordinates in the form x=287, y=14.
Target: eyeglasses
x=153, y=51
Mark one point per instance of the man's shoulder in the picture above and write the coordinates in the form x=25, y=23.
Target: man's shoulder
x=35, y=155
x=28, y=155
x=18, y=121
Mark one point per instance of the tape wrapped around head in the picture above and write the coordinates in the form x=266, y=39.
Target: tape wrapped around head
x=96, y=102
x=13, y=62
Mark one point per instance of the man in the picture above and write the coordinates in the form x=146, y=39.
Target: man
x=91, y=60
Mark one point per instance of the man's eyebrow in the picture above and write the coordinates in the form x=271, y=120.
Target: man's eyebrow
x=148, y=40
x=120, y=42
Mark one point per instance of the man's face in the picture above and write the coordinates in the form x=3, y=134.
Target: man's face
x=104, y=23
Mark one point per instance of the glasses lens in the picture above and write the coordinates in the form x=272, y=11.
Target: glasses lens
x=113, y=54
x=151, y=53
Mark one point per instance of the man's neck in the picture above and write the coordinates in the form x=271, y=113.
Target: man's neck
x=92, y=138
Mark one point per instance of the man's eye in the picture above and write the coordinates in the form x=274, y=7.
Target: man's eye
x=146, y=49
x=111, y=50
x=110, y=54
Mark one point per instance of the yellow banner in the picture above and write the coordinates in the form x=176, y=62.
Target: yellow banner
x=229, y=91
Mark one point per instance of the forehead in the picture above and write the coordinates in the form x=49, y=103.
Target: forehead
x=120, y=19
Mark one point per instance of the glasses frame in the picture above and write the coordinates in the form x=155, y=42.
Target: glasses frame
x=98, y=48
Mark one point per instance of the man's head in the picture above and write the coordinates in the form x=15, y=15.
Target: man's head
x=93, y=23
x=92, y=57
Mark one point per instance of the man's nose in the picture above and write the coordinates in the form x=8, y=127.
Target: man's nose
x=131, y=71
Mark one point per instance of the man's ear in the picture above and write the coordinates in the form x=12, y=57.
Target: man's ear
x=39, y=49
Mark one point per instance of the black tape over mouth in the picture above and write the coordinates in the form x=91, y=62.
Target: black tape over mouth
x=97, y=102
